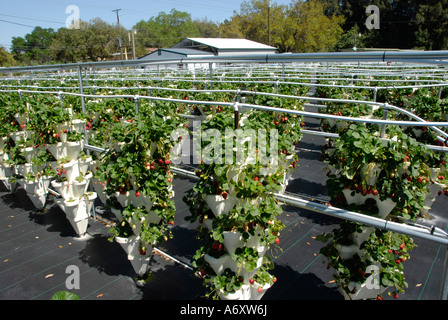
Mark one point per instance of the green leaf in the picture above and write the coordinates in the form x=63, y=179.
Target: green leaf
x=65, y=295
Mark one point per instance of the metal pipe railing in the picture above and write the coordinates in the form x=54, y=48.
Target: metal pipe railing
x=425, y=57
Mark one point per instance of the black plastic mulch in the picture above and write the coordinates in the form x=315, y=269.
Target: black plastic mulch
x=36, y=248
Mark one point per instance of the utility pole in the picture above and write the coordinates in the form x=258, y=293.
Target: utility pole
x=269, y=22
x=134, y=32
x=119, y=34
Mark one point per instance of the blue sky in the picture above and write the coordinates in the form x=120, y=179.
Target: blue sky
x=19, y=17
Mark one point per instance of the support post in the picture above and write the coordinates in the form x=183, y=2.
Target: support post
x=444, y=285
x=237, y=115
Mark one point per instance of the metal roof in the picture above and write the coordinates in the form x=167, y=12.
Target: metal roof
x=227, y=43
x=187, y=52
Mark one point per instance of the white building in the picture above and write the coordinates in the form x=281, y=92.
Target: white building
x=207, y=47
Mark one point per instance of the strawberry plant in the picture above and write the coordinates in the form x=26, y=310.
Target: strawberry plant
x=244, y=185
x=135, y=171
x=395, y=171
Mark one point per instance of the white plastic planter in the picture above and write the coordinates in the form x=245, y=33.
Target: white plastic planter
x=233, y=240
x=360, y=237
x=89, y=197
x=347, y=252
x=38, y=186
x=129, y=198
x=220, y=264
x=76, y=213
x=70, y=150
x=21, y=118
x=78, y=125
x=10, y=185
x=140, y=263
x=24, y=169
x=63, y=188
x=71, y=169
x=129, y=244
x=83, y=165
x=57, y=150
x=18, y=135
x=4, y=156
x=362, y=291
x=5, y=171
x=3, y=142
x=28, y=153
x=38, y=199
x=73, y=149
x=219, y=205
x=243, y=293
x=434, y=189
x=78, y=188
x=384, y=206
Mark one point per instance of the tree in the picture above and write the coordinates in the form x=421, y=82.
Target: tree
x=299, y=27
x=95, y=40
x=6, y=58
x=311, y=29
x=69, y=45
x=431, y=21
x=34, y=47
x=166, y=29
x=102, y=39
x=206, y=28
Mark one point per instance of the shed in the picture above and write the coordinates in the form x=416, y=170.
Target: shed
x=225, y=46
x=203, y=47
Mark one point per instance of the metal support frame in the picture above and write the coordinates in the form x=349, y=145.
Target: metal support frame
x=429, y=57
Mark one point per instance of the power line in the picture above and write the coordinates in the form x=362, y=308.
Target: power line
x=28, y=18
x=16, y=23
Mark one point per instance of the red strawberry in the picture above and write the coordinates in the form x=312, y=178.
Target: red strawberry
x=171, y=222
x=256, y=178
x=167, y=162
x=402, y=245
x=137, y=194
x=419, y=179
x=260, y=289
x=252, y=281
x=395, y=295
x=224, y=194
x=375, y=192
x=274, y=279
x=277, y=241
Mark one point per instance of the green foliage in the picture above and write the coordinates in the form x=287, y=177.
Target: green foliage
x=65, y=295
